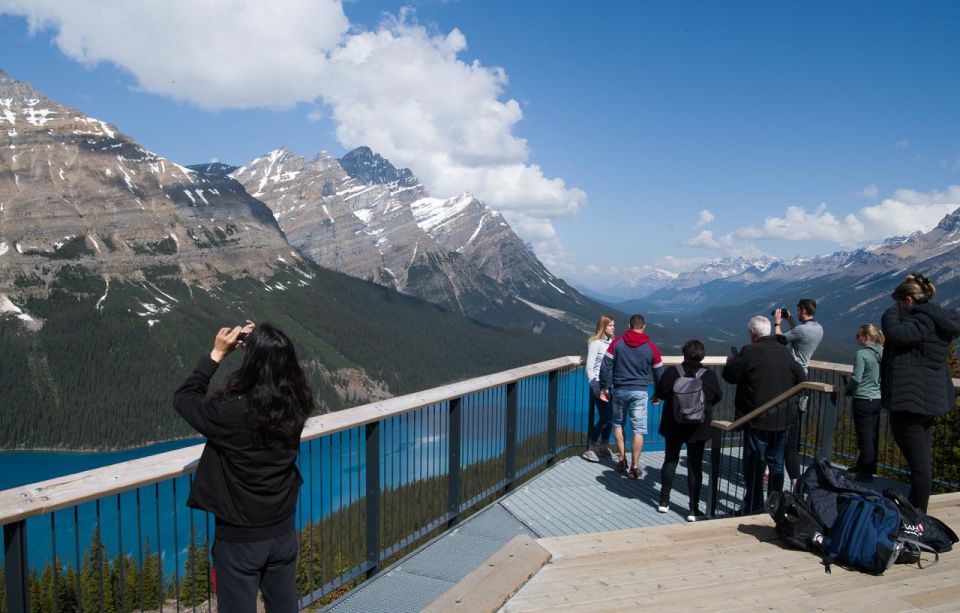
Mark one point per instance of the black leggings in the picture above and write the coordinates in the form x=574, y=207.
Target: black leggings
x=694, y=470
x=914, y=436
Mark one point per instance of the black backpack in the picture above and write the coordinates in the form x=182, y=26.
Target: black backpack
x=794, y=523
x=916, y=525
x=819, y=489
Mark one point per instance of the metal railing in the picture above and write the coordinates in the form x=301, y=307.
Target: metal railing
x=379, y=480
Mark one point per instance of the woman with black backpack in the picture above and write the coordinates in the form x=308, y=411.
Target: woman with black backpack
x=915, y=383
x=688, y=426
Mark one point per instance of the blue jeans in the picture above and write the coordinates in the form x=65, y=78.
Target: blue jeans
x=600, y=429
x=761, y=448
x=632, y=404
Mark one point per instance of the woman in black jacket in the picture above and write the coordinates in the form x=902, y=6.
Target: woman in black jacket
x=695, y=435
x=247, y=475
x=915, y=384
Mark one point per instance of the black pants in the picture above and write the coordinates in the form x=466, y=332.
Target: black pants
x=671, y=456
x=243, y=568
x=866, y=421
x=601, y=421
x=914, y=436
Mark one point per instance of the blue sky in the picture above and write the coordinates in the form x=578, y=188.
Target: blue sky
x=602, y=130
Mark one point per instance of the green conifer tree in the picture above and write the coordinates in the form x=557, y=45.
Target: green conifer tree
x=151, y=578
x=195, y=584
x=95, y=584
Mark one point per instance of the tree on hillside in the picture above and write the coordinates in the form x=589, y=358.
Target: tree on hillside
x=946, y=437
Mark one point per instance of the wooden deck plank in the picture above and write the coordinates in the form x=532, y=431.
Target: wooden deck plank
x=731, y=564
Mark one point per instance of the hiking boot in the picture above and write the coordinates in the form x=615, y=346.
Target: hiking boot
x=622, y=465
x=590, y=455
x=634, y=474
x=604, y=452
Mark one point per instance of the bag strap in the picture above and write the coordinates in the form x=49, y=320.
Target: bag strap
x=903, y=541
x=680, y=370
x=701, y=372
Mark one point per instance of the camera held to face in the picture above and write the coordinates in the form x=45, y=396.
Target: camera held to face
x=784, y=313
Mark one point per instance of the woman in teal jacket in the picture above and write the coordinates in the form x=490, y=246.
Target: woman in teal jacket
x=864, y=386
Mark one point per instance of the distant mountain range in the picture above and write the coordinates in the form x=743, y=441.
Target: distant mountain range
x=851, y=287
x=117, y=265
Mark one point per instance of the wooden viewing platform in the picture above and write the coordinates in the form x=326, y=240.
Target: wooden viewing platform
x=727, y=564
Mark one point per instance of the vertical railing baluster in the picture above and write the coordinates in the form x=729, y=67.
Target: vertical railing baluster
x=163, y=576
x=453, y=477
x=15, y=563
x=121, y=556
x=553, y=397
x=510, y=433
x=176, y=548
x=100, y=553
x=373, y=497
x=829, y=424
x=56, y=565
x=716, y=440
x=139, y=550
x=76, y=551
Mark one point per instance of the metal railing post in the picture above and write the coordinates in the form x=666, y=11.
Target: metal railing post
x=453, y=464
x=510, y=442
x=553, y=397
x=829, y=426
x=15, y=562
x=373, y=497
x=716, y=440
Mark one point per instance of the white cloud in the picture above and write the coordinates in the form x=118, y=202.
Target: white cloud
x=869, y=192
x=903, y=144
x=704, y=218
x=904, y=212
x=401, y=89
x=315, y=115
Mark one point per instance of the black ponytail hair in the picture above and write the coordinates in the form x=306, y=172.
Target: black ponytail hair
x=271, y=376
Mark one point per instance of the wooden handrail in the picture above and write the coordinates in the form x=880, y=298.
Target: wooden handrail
x=771, y=404
x=61, y=492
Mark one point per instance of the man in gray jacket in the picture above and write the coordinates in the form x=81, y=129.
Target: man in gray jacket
x=802, y=339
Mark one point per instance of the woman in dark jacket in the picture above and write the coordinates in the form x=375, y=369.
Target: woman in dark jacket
x=247, y=475
x=915, y=384
x=695, y=436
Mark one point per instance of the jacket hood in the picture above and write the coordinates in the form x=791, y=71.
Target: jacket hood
x=635, y=339
x=947, y=320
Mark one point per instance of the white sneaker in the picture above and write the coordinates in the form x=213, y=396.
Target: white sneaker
x=590, y=455
x=696, y=516
x=662, y=509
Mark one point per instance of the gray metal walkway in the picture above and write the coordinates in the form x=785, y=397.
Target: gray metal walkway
x=573, y=497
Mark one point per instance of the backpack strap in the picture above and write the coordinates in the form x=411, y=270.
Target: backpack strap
x=680, y=370
x=921, y=547
x=701, y=372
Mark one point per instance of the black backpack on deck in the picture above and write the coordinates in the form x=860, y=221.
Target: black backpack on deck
x=916, y=525
x=819, y=489
x=794, y=523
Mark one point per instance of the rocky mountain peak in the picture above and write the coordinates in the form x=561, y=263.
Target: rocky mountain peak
x=371, y=168
x=950, y=223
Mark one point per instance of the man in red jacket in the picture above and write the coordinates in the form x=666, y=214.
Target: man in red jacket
x=631, y=364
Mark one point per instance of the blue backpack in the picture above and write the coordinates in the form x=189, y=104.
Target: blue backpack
x=865, y=534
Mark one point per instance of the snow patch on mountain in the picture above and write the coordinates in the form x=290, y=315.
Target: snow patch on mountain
x=431, y=213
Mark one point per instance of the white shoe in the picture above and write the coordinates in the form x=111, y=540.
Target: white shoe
x=590, y=455
x=662, y=509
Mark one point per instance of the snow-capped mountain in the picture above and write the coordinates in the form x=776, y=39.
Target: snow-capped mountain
x=74, y=191
x=362, y=216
